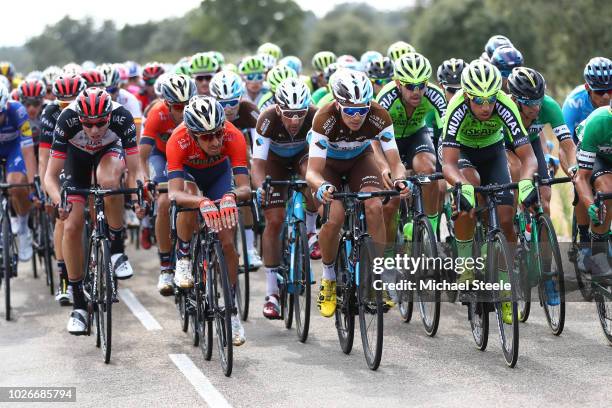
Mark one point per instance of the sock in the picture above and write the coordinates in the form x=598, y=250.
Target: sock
x=164, y=261
x=23, y=222
x=433, y=219
x=329, y=272
x=600, y=243
x=77, y=294
x=117, y=246
x=271, y=281
x=183, y=249
x=249, y=235
x=311, y=222
x=583, y=233
x=464, y=248
x=61, y=267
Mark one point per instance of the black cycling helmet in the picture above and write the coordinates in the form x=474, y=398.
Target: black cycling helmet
x=449, y=72
x=526, y=83
x=598, y=73
x=381, y=68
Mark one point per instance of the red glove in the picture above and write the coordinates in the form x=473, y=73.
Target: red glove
x=228, y=210
x=210, y=213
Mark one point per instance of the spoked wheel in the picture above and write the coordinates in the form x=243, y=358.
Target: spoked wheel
x=103, y=312
x=301, y=282
x=180, y=298
x=478, y=312
x=242, y=285
x=194, y=323
x=345, y=301
x=583, y=281
x=524, y=299
x=424, y=245
x=552, y=284
x=7, y=263
x=370, y=306
x=506, y=311
x=405, y=303
x=286, y=298
x=449, y=249
x=222, y=305
x=603, y=302
x=46, y=231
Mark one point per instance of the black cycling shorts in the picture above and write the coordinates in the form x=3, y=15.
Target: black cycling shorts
x=414, y=144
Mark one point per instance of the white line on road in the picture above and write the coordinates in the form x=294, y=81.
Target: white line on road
x=199, y=381
x=147, y=320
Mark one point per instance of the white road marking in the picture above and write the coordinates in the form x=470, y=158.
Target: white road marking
x=147, y=320
x=199, y=381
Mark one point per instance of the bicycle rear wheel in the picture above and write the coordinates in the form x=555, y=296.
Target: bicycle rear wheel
x=345, y=301
x=499, y=258
x=424, y=245
x=301, y=282
x=222, y=305
x=552, y=283
x=370, y=306
x=242, y=285
x=603, y=302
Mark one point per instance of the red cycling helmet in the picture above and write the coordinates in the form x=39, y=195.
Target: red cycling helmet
x=94, y=103
x=93, y=77
x=32, y=89
x=67, y=87
x=151, y=72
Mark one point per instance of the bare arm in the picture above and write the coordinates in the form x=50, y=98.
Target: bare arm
x=176, y=192
x=144, y=153
x=52, y=184
x=30, y=161
x=452, y=174
x=529, y=163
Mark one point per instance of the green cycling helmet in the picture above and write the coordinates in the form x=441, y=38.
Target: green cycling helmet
x=203, y=63
x=481, y=78
x=412, y=68
x=219, y=57
x=271, y=49
x=398, y=49
x=322, y=59
x=279, y=73
x=251, y=65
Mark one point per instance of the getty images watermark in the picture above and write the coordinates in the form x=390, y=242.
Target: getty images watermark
x=408, y=265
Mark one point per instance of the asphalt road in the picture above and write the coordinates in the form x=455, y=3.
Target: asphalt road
x=154, y=364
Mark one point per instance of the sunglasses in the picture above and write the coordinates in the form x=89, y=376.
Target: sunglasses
x=201, y=78
x=207, y=137
x=530, y=102
x=98, y=124
x=479, y=100
x=352, y=110
x=381, y=82
x=150, y=82
x=294, y=114
x=602, y=92
x=415, y=87
x=229, y=103
x=254, y=77
x=32, y=102
x=451, y=90
x=176, y=106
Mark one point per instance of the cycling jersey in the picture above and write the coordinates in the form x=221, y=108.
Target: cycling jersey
x=331, y=138
x=390, y=98
x=325, y=100
x=15, y=125
x=596, y=139
x=185, y=155
x=318, y=94
x=271, y=135
x=550, y=113
x=462, y=128
x=69, y=131
x=247, y=115
x=576, y=108
x=266, y=101
x=158, y=127
x=48, y=120
x=263, y=91
x=129, y=102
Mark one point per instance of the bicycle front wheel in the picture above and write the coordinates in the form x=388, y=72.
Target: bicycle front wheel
x=7, y=263
x=370, y=306
x=301, y=282
x=603, y=303
x=222, y=305
x=243, y=284
x=104, y=298
x=424, y=246
x=345, y=301
x=46, y=232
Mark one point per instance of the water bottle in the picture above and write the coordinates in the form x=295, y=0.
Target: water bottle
x=528, y=232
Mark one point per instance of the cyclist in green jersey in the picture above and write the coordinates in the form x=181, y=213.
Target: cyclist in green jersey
x=473, y=153
x=527, y=88
x=595, y=173
x=380, y=72
x=409, y=99
x=320, y=61
x=273, y=79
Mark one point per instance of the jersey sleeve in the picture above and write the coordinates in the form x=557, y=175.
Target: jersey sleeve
x=318, y=142
x=46, y=127
x=554, y=115
x=176, y=150
x=570, y=115
x=588, y=146
x=126, y=131
x=511, y=119
x=385, y=136
x=236, y=150
x=263, y=135
x=151, y=128
x=62, y=133
x=436, y=99
x=388, y=95
x=453, y=119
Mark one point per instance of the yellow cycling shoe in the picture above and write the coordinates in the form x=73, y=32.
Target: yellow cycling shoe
x=507, y=312
x=327, y=298
x=467, y=275
x=387, y=300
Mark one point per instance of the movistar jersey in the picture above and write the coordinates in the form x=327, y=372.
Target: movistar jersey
x=265, y=101
x=462, y=128
x=596, y=138
x=327, y=98
x=390, y=98
x=318, y=94
x=576, y=108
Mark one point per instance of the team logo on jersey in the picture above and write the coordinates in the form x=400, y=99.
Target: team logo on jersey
x=259, y=141
x=183, y=143
x=26, y=130
x=321, y=144
x=265, y=124
x=386, y=137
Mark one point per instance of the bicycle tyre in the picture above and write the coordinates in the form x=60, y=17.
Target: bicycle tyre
x=345, y=301
x=7, y=262
x=47, y=242
x=222, y=313
x=406, y=297
x=243, y=282
x=424, y=243
x=301, y=283
x=105, y=299
x=604, y=312
x=478, y=312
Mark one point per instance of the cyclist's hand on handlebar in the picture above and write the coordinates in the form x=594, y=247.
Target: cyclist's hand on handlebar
x=324, y=192
x=228, y=211
x=140, y=211
x=260, y=196
x=403, y=186
x=211, y=215
x=63, y=212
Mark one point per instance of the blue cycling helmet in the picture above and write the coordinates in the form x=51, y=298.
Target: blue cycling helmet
x=292, y=62
x=506, y=58
x=495, y=42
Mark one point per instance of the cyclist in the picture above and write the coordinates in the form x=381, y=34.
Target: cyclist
x=93, y=133
x=150, y=73
x=320, y=61
x=93, y=78
x=506, y=58
x=8, y=70
x=202, y=67
x=65, y=88
x=203, y=153
x=292, y=62
x=280, y=150
x=227, y=88
x=276, y=75
x=270, y=49
x=398, y=49
x=253, y=72
x=595, y=174
x=340, y=145
x=123, y=97
x=176, y=90
x=323, y=95
x=380, y=72
x=49, y=75
x=492, y=44
x=32, y=96
x=409, y=99
x=473, y=153
x=580, y=103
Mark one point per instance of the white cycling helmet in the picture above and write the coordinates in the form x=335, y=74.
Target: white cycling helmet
x=158, y=83
x=5, y=81
x=268, y=60
x=50, y=73
x=292, y=93
x=350, y=86
x=72, y=68
x=204, y=114
x=111, y=75
x=177, y=88
x=226, y=85
x=4, y=97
